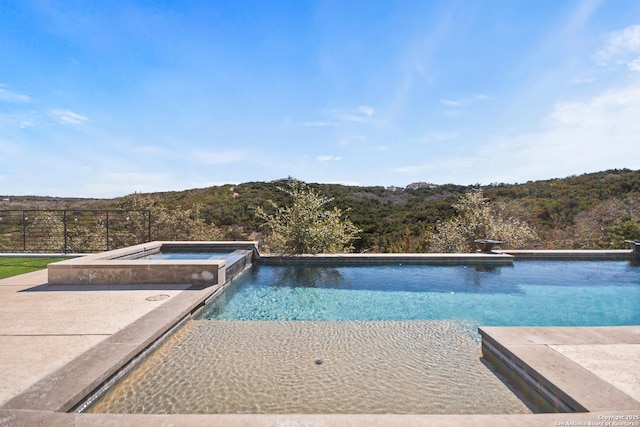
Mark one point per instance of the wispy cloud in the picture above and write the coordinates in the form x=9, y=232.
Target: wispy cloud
x=592, y=134
x=328, y=158
x=9, y=96
x=339, y=116
x=363, y=113
x=576, y=136
x=67, y=117
x=450, y=103
x=634, y=65
x=581, y=15
x=22, y=120
x=35, y=118
x=622, y=47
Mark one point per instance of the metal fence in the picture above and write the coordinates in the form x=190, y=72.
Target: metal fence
x=72, y=231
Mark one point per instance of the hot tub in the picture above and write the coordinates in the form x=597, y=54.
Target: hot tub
x=194, y=263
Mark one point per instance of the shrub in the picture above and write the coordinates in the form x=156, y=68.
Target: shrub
x=305, y=226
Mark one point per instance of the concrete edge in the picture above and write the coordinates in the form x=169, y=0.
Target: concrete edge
x=423, y=258
x=561, y=381
x=532, y=378
x=571, y=254
x=69, y=385
x=15, y=418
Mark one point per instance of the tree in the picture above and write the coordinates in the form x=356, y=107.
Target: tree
x=305, y=226
x=44, y=230
x=166, y=224
x=609, y=224
x=478, y=219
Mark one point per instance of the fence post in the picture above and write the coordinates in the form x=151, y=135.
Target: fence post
x=107, y=212
x=24, y=231
x=64, y=221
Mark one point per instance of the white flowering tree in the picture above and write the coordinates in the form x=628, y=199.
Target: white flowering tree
x=305, y=226
x=479, y=219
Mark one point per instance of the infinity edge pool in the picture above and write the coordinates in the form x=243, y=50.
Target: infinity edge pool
x=58, y=392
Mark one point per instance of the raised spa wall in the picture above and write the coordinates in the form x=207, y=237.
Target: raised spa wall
x=123, y=266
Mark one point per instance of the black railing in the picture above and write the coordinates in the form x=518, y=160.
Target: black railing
x=72, y=230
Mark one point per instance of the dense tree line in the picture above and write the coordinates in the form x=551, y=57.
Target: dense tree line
x=598, y=210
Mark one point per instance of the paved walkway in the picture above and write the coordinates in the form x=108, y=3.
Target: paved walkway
x=57, y=343
x=42, y=327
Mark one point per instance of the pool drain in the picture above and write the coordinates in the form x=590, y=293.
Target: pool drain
x=319, y=362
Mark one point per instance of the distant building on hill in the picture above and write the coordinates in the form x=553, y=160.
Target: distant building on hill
x=416, y=185
x=287, y=180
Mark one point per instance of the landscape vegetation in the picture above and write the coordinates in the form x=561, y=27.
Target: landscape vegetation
x=591, y=211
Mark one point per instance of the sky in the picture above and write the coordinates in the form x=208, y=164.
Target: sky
x=103, y=99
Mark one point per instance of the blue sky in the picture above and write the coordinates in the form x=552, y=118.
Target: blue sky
x=102, y=99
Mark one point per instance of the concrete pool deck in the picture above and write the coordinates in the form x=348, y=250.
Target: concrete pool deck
x=59, y=342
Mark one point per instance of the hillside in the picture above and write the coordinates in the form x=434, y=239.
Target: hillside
x=577, y=211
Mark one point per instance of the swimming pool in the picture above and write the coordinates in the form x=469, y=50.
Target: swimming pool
x=367, y=338
x=526, y=293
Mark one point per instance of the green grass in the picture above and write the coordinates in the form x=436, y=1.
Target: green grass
x=14, y=266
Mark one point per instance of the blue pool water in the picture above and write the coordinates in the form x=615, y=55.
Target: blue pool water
x=527, y=293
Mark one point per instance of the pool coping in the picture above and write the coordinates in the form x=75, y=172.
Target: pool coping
x=408, y=258
x=46, y=400
x=571, y=254
x=532, y=353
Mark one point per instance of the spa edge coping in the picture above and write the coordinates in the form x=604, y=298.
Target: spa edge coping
x=121, y=266
x=150, y=247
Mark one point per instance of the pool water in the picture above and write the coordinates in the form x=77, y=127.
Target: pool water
x=260, y=367
x=367, y=338
x=229, y=256
x=528, y=293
